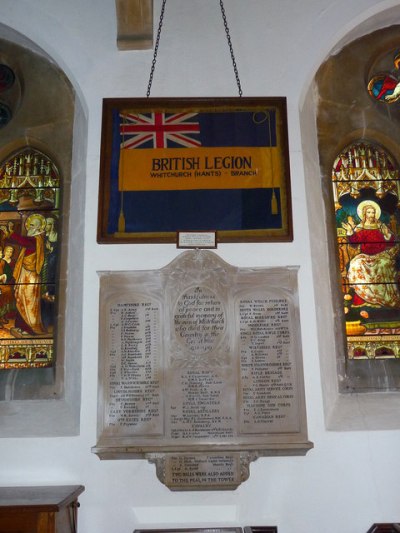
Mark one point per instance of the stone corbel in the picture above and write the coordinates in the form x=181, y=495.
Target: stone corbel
x=134, y=24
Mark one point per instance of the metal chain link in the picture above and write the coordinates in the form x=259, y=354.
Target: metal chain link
x=228, y=36
x=153, y=64
x=221, y=3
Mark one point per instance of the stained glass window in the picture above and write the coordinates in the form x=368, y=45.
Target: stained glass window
x=385, y=86
x=29, y=243
x=366, y=192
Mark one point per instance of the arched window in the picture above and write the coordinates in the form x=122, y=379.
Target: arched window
x=344, y=109
x=358, y=152
x=29, y=242
x=42, y=183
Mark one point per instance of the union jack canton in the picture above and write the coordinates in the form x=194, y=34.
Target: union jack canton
x=159, y=130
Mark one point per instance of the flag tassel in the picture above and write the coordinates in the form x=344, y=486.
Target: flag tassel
x=274, y=203
x=121, y=218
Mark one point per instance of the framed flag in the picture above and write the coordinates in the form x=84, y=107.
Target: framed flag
x=194, y=165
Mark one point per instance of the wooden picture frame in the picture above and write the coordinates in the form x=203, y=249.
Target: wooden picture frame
x=194, y=164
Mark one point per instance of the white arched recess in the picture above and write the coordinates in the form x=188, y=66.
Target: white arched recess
x=377, y=409
x=46, y=402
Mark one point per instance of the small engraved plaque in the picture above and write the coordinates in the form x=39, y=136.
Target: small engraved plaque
x=200, y=369
x=197, y=239
x=214, y=471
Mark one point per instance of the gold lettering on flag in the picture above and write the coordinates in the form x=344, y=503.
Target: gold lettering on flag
x=162, y=169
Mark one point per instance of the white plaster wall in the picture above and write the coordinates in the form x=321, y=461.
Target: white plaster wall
x=350, y=479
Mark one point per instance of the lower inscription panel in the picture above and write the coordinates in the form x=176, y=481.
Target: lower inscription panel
x=200, y=369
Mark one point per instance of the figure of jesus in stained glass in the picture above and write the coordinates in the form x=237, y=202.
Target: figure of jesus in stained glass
x=372, y=272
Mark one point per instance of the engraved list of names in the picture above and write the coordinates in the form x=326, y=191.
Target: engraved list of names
x=268, y=382
x=134, y=388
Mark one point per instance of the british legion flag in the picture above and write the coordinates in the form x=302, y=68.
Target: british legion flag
x=159, y=130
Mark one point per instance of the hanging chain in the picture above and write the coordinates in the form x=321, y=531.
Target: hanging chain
x=221, y=3
x=153, y=64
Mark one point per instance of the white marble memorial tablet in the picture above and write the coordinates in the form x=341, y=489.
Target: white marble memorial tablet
x=200, y=369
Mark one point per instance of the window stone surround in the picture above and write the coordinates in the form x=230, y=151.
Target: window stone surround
x=333, y=114
x=51, y=118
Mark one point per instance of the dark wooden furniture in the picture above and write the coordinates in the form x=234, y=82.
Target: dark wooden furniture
x=39, y=509
x=384, y=528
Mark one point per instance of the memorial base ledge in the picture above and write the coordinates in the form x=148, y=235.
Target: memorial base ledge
x=137, y=452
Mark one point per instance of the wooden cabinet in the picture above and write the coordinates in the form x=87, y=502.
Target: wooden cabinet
x=39, y=509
